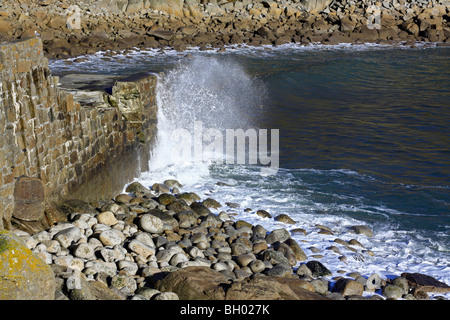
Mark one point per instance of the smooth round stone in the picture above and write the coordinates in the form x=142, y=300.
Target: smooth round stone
x=67, y=236
x=201, y=245
x=392, y=292
x=198, y=237
x=151, y=223
x=223, y=256
x=245, y=259
x=41, y=236
x=130, y=268
x=195, y=252
x=257, y=266
x=402, y=283
x=111, y=237
x=178, y=258
x=123, y=198
x=107, y=217
x=147, y=293
x=226, y=249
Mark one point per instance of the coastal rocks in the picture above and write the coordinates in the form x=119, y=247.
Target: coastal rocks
x=23, y=275
x=177, y=24
x=135, y=247
x=284, y=218
x=263, y=214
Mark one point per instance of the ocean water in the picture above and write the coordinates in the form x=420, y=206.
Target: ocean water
x=355, y=135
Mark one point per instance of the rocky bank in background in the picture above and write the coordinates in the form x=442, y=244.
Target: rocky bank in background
x=164, y=244
x=74, y=27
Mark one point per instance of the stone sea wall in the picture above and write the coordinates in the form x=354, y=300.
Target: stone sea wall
x=52, y=147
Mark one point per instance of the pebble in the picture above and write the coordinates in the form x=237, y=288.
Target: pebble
x=107, y=217
x=141, y=248
x=151, y=223
x=84, y=251
x=111, y=237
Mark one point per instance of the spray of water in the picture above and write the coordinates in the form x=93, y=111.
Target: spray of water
x=215, y=92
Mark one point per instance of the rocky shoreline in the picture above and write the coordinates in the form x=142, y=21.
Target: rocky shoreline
x=113, y=25
x=160, y=243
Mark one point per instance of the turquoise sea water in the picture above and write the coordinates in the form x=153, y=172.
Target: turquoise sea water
x=364, y=138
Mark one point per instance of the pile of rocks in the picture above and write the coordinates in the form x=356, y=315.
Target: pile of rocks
x=165, y=244
x=118, y=25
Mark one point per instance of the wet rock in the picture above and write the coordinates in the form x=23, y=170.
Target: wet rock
x=68, y=236
x=297, y=250
x=284, y=218
x=279, y=270
x=362, y=229
x=173, y=183
x=211, y=203
x=318, y=269
x=401, y=282
x=136, y=188
x=263, y=214
x=280, y=235
x=200, y=209
x=107, y=217
x=425, y=282
x=111, y=237
x=151, y=223
x=420, y=294
x=166, y=199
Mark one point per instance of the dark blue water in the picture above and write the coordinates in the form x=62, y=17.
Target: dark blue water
x=382, y=114
x=364, y=139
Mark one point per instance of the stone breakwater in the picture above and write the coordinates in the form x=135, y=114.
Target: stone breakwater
x=51, y=144
x=114, y=25
x=162, y=243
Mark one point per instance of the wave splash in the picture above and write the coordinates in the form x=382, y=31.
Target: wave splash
x=207, y=94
